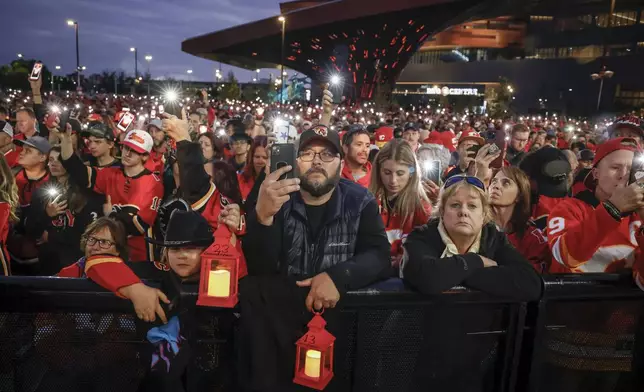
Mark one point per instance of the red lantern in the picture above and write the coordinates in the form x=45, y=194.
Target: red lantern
x=219, y=271
x=314, y=360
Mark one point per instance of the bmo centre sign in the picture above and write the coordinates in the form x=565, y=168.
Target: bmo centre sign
x=435, y=90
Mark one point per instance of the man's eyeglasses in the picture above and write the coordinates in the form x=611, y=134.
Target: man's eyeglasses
x=469, y=179
x=309, y=156
x=103, y=244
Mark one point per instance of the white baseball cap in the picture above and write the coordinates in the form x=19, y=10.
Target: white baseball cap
x=139, y=141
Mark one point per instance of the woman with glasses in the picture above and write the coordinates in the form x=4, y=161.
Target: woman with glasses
x=462, y=246
x=509, y=193
x=9, y=205
x=59, y=214
x=395, y=182
x=104, y=244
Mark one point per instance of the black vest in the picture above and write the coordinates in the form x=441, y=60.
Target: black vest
x=336, y=239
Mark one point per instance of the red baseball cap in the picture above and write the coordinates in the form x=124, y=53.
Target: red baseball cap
x=383, y=135
x=471, y=134
x=621, y=143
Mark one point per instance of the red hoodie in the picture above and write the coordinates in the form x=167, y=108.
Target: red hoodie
x=364, y=180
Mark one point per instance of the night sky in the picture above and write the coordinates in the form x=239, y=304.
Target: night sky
x=38, y=29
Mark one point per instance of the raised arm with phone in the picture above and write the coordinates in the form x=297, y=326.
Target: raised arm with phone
x=135, y=192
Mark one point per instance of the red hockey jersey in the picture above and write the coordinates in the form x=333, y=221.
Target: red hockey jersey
x=27, y=186
x=156, y=161
x=533, y=246
x=584, y=237
x=396, y=232
x=245, y=185
x=135, y=200
x=108, y=271
x=11, y=157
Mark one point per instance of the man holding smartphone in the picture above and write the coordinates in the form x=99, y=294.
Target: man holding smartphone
x=468, y=145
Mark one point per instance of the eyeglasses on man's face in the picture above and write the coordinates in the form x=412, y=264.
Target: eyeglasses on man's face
x=309, y=156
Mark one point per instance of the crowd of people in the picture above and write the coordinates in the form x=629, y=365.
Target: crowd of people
x=123, y=188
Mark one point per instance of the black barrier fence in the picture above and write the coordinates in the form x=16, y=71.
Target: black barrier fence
x=70, y=335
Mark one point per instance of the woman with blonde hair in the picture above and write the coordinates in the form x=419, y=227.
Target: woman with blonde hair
x=462, y=246
x=396, y=184
x=8, y=211
x=509, y=193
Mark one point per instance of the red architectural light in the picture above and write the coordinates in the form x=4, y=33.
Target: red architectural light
x=254, y=53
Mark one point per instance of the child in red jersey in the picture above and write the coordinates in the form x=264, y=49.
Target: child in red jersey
x=396, y=184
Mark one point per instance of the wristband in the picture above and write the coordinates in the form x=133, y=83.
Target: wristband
x=612, y=210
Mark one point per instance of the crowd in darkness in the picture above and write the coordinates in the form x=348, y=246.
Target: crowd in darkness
x=118, y=189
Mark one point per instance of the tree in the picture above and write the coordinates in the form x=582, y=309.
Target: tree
x=499, y=99
x=16, y=74
x=231, y=89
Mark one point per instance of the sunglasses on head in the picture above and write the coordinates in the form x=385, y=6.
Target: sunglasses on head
x=469, y=179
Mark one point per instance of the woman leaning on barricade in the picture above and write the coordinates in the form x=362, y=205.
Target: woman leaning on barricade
x=462, y=246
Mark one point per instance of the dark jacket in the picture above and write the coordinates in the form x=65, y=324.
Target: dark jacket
x=351, y=245
x=514, y=157
x=426, y=271
x=64, y=231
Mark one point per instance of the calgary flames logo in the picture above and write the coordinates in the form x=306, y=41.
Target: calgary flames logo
x=133, y=136
x=321, y=131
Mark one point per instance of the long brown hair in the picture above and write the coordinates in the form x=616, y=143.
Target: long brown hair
x=9, y=189
x=76, y=199
x=412, y=196
x=522, y=210
x=249, y=170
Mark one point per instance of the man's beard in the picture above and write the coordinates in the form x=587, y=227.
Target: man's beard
x=318, y=189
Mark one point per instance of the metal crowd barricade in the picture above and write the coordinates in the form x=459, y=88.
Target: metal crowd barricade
x=70, y=335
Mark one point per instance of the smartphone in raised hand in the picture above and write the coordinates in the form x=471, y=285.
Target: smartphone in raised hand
x=36, y=72
x=125, y=121
x=637, y=168
x=283, y=155
x=431, y=170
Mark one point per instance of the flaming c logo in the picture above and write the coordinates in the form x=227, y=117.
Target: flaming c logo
x=133, y=136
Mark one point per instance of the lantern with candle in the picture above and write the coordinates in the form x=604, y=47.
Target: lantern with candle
x=314, y=358
x=219, y=271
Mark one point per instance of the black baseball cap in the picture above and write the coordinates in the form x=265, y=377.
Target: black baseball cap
x=99, y=130
x=586, y=155
x=549, y=169
x=410, y=126
x=322, y=133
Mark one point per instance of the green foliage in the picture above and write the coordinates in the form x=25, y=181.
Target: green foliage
x=499, y=99
x=231, y=89
x=15, y=75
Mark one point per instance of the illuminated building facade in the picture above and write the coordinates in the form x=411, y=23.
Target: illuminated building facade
x=546, y=49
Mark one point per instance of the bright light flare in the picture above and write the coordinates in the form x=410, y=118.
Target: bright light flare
x=335, y=80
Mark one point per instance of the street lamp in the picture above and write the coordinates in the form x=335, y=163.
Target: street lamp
x=189, y=71
x=148, y=58
x=136, y=62
x=58, y=67
x=257, y=72
x=603, y=74
x=19, y=55
x=78, y=68
x=282, y=19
